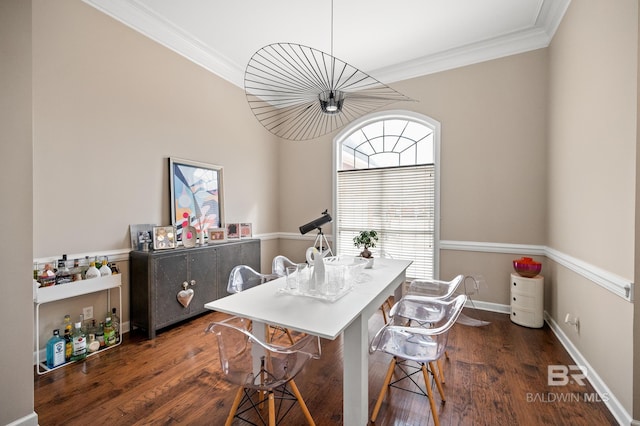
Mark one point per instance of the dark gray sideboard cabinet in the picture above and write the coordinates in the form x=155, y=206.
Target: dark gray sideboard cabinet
x=158, y=276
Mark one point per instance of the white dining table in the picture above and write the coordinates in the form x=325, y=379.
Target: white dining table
x=349, y=316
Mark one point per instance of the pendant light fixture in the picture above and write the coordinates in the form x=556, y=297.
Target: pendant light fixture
x=300, y=93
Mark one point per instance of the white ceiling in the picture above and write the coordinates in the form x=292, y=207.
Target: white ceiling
x=391, y=41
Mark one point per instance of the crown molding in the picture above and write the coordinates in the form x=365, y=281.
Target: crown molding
x=140, y=18
x=531, y=38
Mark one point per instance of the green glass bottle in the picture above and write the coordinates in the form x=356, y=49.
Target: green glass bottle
x=109, y=333
x=115, y=322
x=79, y=343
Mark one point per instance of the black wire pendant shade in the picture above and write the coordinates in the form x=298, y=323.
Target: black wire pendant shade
x=300, y=93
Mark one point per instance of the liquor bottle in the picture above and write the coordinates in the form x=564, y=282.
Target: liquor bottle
x=92, y=344
x=109, y=333
x=104, y=269
x=92, y=272
x=100, y=335
x=90, y=329
x=76, y=272
x=84, y=266
x=55, y=350
x=68, y=349
x=79, y=343
x=63, y=275
x=115, y=323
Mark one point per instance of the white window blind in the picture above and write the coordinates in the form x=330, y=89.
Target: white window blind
x=397, y=202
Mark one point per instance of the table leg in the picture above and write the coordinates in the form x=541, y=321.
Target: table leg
x=356, y=373
x=258, y=330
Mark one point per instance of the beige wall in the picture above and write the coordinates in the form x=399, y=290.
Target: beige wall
x=16, y=324
x=109, y=106
x=492, y=147
x=592, y=174
x=592, y=128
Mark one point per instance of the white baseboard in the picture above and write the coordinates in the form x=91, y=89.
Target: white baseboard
x=489, y=306
x=619, y=412
x=28, y=420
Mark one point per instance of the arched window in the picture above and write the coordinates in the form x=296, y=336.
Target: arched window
x=386, y=180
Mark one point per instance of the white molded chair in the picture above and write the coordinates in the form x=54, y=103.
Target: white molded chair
x=434, y=288
x=425, y=290
x=417, y=345
x=279, y=265
x=262, y=370
x=244, y=277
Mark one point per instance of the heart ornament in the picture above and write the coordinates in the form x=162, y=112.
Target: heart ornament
x=185, y=296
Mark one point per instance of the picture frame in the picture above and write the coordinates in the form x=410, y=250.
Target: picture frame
x=164, y=237
x=233, y=231
x=246, y=230
x=217, y=235
x=196, y=195
x=141, y=235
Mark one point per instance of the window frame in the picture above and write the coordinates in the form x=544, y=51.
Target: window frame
x=390, y=115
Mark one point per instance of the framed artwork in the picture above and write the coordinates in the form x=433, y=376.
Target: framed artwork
x=164, y=237
x=197, y=195
x=245, y=230
x=141, y=235
x=233, y=230
x=216, y=235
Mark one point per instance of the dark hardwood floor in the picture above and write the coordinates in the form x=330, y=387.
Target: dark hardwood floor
x=495, y=375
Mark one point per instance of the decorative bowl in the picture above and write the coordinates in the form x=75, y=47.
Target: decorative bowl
x=527, y=267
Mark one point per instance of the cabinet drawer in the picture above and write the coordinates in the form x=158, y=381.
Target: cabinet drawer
x=526, y=317
x=524, y=300
x=526, y=288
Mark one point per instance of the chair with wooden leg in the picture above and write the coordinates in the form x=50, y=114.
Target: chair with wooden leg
x=431, y=289
x=263, y=371
x=415, y=349
x=244, y=277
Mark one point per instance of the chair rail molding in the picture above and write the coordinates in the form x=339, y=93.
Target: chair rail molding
x=297, y=236
x=616, y=284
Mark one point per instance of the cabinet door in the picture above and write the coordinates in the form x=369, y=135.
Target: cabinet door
x=169, y=272
x=202, y=271
x=230, y=255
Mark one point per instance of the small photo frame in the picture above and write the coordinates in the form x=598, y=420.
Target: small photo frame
x=216, y=235
x=245, y=230
x=164, y=237
x=141, y=236
x=233, y=231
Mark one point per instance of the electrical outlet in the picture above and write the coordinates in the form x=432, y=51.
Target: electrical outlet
x=87, y=312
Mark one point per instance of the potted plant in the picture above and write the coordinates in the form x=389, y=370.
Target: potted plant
x=366, y=239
